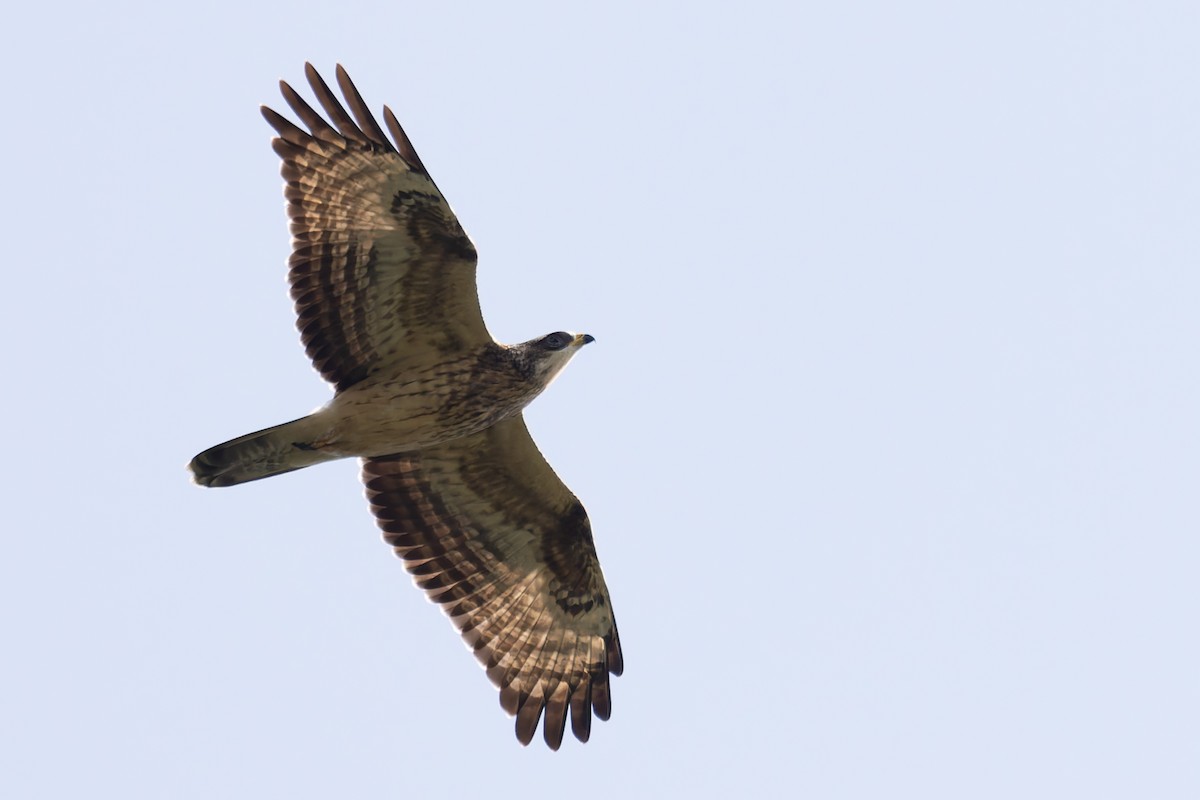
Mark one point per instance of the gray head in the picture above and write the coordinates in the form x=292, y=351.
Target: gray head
x=545, y=356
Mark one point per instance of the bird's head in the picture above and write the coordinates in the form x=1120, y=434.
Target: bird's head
x=547, y=355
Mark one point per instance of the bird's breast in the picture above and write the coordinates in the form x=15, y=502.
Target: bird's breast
x=425, y=409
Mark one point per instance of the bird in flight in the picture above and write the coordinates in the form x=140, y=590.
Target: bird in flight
x=383, y=279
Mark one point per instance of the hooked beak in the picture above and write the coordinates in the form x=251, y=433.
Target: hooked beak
x=583, y=338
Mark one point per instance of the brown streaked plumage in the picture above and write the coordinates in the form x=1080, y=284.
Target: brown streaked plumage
x=383, y=278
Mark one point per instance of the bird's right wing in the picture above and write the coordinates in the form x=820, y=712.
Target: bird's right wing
x=380, y=270
x=490, y=533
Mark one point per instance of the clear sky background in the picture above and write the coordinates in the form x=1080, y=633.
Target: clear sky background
x=889, y=436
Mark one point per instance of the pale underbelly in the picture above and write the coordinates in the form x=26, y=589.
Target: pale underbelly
x=381, y=421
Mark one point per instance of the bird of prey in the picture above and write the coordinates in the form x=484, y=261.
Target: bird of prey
x=383, y=279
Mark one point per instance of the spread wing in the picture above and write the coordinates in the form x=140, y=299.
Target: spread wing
x=490, y=533
x=380, y=268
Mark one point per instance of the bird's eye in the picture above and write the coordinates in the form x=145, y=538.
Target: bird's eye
x=556, y=341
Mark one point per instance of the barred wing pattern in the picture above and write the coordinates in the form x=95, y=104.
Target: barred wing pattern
x=492, y=535
x=381, y=271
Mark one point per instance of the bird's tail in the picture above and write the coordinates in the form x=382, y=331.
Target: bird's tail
x=273, y=451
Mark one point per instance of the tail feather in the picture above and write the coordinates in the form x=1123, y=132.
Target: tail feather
x=268, y=452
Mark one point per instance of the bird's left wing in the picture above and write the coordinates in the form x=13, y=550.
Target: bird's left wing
x=492, y=535
x=381, y=271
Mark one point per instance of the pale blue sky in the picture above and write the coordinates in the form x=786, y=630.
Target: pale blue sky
x=889, y=437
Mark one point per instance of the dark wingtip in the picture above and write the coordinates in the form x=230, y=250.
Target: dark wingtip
x=601, y=697
x=616, y=657
x=581, y=711
x=528, y=718
x=273, y=117
x=204, y=473
x=554, y=723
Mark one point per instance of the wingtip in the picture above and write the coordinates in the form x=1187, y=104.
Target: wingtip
x=191, y=471
x=199, y=475
x=524, y=734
